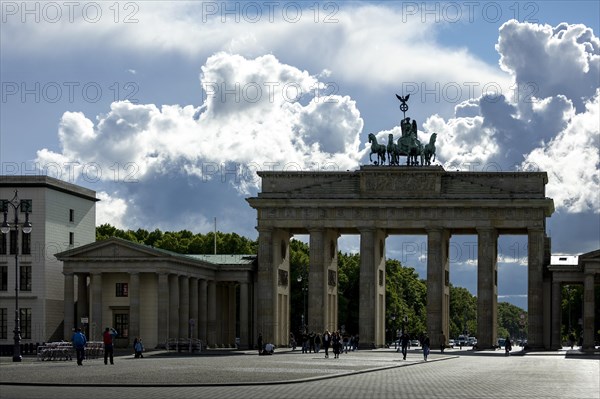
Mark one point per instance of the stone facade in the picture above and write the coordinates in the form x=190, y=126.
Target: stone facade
x=377, y=201
x=158, y=295
x=63, y=216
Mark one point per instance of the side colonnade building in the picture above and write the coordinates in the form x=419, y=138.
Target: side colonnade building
x=158, y=295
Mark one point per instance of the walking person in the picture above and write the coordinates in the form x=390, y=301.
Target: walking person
x=326, y=342
x=138, y=347
x=79, y=342
x=260, y=343
x=425, y=344
x=442, y=342
x=317, y=342
x=404, y=342
x=108, y=340
x=507, y=346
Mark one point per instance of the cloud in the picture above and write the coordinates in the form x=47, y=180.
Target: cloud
x=548, y=123
x=257, y=114
x=540, y=57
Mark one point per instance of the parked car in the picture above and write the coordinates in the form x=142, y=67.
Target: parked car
x=462, y=340
x=500, y=343
x=451, y=343
x=415, y=342
x=472, y=341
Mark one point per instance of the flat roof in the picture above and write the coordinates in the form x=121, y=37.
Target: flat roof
x=47, y=182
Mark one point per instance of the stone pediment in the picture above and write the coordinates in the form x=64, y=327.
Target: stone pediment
x=110, y=249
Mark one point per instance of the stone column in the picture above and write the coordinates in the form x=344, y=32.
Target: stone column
x=69, y=306
x=184, y=307
x=438, y=291
x=174, y=306
x=244, y=316
x=232, y=316
x=96, y=300
x=266, y=285
x=372, y=288
x=163, y=308
x=535, y=305
x=83, y=309
x=556, y=342
x=331, y=279
x=211, y=330
x=588, y=311
x=202, y=310
x=134, y=305
x=487, y=288
x=194, y=305
x=316, y=281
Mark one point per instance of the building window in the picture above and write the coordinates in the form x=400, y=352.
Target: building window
x=3, y=278
x=26, y=246
x=71, y=238
x=122, y=289
x=13, y=242
x=122, y=324
x=71, y=215
x=3, y=323
x=25, y=318
x=25, y=278
x=3, y=246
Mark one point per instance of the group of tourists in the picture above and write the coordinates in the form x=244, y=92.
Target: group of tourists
x=313, y=342
x=79, y=341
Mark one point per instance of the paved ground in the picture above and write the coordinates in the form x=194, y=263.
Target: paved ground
x=363, y=374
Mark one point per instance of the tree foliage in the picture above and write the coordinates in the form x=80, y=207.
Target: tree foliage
x=184, y=241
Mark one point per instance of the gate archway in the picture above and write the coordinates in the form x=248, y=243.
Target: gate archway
x=376, y=201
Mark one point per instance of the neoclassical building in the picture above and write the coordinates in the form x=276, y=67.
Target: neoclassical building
x=585, y=271
x=158, y=295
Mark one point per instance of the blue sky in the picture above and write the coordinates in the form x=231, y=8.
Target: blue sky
x=165, y=108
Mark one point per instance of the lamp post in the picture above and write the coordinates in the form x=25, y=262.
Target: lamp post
x=304, y=290
x=5, y=228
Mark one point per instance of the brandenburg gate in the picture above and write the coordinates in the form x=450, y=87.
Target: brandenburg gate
x=377, y=201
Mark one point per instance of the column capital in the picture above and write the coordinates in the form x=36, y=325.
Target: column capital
x=265, y=229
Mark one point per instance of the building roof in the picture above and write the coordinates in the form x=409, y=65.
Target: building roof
x=224, y=259
x=47, y=182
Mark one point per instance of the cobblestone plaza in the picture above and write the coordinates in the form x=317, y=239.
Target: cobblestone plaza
x=363, y=374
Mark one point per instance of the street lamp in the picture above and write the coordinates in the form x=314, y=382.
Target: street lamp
x=5, y=228
x=304, y=290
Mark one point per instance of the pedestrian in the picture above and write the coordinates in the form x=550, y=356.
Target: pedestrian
x=317, y=342
x=326, y=342
x=108, y=339
x=336, y=342
x=292, y=341
x=442, y=342
x=404, y=342
x=79, y=342
x=311, y=342
x=572, y=340
x=138, y=347
x=507, y=346
x=425, y=345
x=260, y=343
x=356, y=342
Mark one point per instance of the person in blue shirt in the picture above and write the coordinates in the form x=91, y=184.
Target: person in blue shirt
x=79, y=342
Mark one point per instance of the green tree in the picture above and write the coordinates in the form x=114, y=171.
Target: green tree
x=463, y=312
